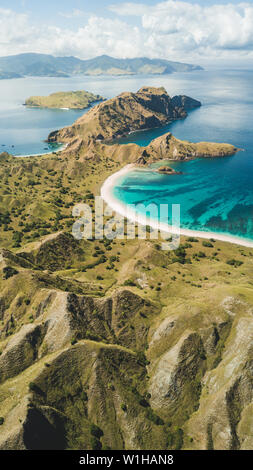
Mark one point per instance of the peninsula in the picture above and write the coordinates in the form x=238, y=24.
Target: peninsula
x=64, y=99
x=96, y=132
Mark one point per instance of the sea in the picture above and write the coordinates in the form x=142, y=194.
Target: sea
x=215, y=195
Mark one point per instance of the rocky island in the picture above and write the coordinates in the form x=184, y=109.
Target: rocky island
x=64, y=100
x=167, y=170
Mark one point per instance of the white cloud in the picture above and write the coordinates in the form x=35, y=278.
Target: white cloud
x=129, y=9
x=75, y=13
x=180, y=27
x=12, y=30
x=171, y=29
x=98, y=36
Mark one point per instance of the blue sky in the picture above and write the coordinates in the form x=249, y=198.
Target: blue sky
x=192, y=30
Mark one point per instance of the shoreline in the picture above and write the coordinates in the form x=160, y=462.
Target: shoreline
x=125, y=211
x=60, y=149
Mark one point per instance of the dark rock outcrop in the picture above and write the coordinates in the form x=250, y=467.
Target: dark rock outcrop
x=185, y=102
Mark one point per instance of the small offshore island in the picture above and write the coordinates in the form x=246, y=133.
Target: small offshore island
x=160, y=342
x=167, y=170
x=64, y=100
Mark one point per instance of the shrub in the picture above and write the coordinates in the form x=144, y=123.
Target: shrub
x=1, y=421
x=187, y=245
x=129, y=282
x=8, y=272
x=96, y=431
x=123, y=407
x=207, y=244
x=192, y=239
x=234, y=262
x=143, y=402
x=154, y=418
x=142, y=315
x=175, y=439
x=84, y=396
x=95, y=444
x=17, y=238
x=34, y=388
x=200, y=254
x=180, y=255
x=141, y=358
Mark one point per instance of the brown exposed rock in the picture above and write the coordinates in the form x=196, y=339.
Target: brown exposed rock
x=167, y=170
x=148, y=108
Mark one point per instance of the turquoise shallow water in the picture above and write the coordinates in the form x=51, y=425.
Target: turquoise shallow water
x=215, y=195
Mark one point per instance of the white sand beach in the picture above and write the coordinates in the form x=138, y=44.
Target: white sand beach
x=129, y=213
x=60, y=149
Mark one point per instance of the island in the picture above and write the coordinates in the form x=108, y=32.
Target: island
x=64, y=100
x=167, y=170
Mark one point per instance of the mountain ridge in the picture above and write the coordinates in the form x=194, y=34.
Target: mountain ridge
x=33, y=64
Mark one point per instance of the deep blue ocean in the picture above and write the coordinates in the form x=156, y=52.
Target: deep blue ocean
x=215, y=195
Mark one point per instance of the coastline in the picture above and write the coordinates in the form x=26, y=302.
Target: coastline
x=118, y=206
x=60, y=149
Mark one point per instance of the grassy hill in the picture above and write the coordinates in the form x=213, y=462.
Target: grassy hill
x=68, y=99
x=163, y=373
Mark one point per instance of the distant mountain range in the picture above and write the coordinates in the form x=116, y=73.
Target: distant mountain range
x=42, y=65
